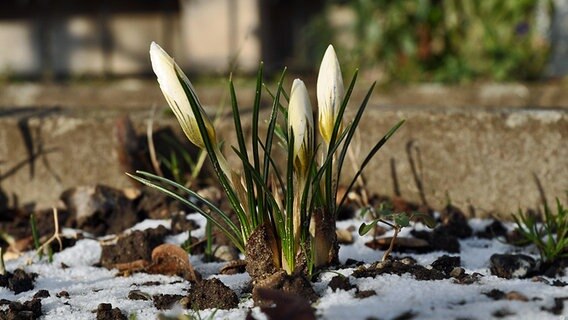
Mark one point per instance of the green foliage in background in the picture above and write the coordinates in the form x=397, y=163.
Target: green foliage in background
x=448, y=41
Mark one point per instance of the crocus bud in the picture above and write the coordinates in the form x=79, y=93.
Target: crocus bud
x=301, y=124
x=330, y=92
x=170, y=78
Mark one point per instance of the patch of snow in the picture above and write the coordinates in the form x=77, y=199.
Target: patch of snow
x=88, y=286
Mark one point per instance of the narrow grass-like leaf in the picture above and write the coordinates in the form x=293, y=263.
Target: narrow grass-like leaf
x=255, y=115
x=288, y=240
x=351, y=134
x=254, y=137
x=223, y=179
x=234, y=235
x=278, y=215
x=35, y=234
x=271, y=126
x=274, y=168
x=255, y=219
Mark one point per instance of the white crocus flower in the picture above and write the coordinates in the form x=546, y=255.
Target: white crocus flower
x=172, y=81
x=301, y=124
x=330, y=92
x=170, y=78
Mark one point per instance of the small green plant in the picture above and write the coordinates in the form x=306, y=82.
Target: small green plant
x=296, y=206
x=45, y=248
x=396, y=220
x=550, y=237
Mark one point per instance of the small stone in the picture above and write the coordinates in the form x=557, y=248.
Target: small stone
x=234, y=267
x=226, y=253
x=540, y=279
x=138, y=295
x=106, y=312
x=516, y=296
x=512, y=265
x=457, y=272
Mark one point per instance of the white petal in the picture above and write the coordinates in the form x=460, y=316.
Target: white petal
x=330, y=91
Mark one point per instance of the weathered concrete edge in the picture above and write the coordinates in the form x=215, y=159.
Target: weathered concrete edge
x=483, y=158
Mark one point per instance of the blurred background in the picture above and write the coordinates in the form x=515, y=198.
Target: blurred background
x=480, y=83
x=401, y=41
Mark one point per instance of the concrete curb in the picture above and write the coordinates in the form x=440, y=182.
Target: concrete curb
x=486, y=157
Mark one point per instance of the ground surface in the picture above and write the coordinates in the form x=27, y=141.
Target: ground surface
x=396, y=297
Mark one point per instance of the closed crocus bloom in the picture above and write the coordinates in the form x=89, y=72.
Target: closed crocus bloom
x=301, y=123
x=170, y=78
x=330, y=92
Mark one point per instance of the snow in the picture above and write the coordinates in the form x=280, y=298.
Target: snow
x=88, y=286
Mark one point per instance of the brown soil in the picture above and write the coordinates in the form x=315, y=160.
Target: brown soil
x=446, y=264
x=259, y=254
x=28, y=310
x=399, y=267
x=326, y=238
x=19, y=281
x=296, y=284
x=165, y=301
x=42, y=294
x=210, y=294
x=137, y=245
x=283, y=306
x=106, y=312
x=340, y=282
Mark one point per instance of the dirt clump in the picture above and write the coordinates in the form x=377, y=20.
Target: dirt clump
x=512, y=265
x=296, y=284
x=106, y=312
x=398, y=267
x=282, y=305
x=259, y=255
x=42, y=294
x=28, y=310
x=210, y=294
x=446, y=264
x=454, y=222
x=340, y=283
x=165, y=301
x=18, y=281
x=137, y=245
